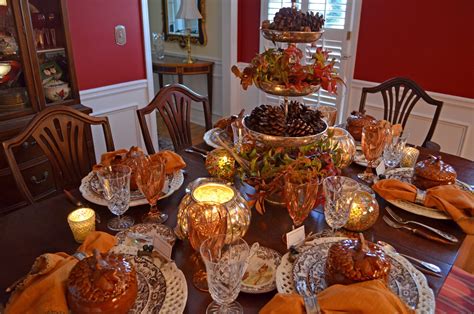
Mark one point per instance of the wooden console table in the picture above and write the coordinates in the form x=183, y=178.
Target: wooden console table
x=176, y=66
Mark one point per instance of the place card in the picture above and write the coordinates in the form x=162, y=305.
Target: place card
x=162, y=247
x=295, y=237
x=380, y=168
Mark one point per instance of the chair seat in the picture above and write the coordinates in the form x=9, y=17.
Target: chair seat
x=457, y=293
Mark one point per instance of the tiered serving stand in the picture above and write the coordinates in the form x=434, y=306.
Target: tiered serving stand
x=285, y=92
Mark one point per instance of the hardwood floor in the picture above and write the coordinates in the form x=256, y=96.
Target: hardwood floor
x=197, y=131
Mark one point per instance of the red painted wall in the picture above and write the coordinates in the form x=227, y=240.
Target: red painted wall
x=98, y=60
x=248, y=29
x=430, y=41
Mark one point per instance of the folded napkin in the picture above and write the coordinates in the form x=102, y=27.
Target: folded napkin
x=174, y=162
x=365, y=297
x=44, y=288
x=457, y=203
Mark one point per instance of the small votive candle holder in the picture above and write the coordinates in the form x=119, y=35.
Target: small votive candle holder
x=409, y=157
x=82, y=222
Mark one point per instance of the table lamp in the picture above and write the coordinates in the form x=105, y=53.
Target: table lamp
x=188, y=11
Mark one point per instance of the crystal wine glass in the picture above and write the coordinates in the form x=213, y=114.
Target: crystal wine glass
x=115, y=181
x=205, y=219
x=393, y=150
x=225, y=266
x=300, y=197
x=373, y=142
x=339, y=193
x=150, y=177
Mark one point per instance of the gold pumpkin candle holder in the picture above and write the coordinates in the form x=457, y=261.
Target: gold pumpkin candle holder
x=218, y=191
x=364, y=212
x=82, y=222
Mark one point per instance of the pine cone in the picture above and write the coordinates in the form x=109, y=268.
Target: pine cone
x=287, y=19
x=298, y=127
x=295, y=110
x=268, y=119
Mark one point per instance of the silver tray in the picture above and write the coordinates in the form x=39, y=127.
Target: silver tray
x=291, y=37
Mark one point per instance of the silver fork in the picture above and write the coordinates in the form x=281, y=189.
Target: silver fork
x=310, y=300
x=416, y=231
x=400, y=220
x=191, y=151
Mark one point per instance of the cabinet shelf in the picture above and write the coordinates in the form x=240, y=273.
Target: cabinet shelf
x=50, y=50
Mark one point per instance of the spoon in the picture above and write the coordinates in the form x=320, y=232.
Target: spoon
x=432, y=267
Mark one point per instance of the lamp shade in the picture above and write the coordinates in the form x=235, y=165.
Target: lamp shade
x=188, y=10
x=3, y=3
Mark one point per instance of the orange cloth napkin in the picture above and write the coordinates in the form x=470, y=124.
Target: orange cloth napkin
x=365, y=297
x=457, y=203
x=44, y=288
x=174, y=162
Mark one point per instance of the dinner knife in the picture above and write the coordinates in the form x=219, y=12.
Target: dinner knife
x=416, y=231
x=71, y=198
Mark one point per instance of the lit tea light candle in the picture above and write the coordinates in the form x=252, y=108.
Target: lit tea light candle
x=82, y=222
x=213, y=192
x=409, y=157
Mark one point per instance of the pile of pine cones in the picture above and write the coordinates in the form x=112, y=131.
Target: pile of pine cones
x=300, y=121
x=288, y=19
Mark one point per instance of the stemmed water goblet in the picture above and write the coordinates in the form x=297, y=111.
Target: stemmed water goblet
x=205, y=219
x=115, y=181
x=225, y=266
x=373, y=143
x=339, y=193
x=393, y=150
x=150, y=176
x=300, y=193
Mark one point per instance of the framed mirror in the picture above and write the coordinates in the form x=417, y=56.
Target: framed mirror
x=175, y=29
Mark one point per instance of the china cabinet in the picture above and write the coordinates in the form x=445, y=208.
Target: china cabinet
x=36, y=71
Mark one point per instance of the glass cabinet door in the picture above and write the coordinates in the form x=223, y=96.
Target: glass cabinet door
x=15, y=90
x=50, y=44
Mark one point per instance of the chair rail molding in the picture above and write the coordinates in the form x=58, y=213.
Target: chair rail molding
x=454, y=131
x=119, y=103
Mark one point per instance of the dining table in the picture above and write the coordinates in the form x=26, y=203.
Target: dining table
x=42, y=228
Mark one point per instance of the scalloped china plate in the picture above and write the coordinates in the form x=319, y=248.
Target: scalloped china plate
x=260, y=274
x=91, y=191
x=172, y=299
x=210, y=137
x=152, y=286
x=404, y=279
x=405, y=175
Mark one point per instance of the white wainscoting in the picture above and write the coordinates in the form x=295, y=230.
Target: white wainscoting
x=454, y=131
x=119, y=103
x=198, y=83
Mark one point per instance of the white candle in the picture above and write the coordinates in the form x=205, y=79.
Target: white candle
x=213, y=192
x=82, y=222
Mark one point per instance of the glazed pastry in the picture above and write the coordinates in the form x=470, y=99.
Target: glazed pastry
x=103, y=283
x=433, y=172
x=349, y=262
x=355, y=123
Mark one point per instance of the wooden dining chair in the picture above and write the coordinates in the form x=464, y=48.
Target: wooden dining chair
x=399, y=103
x=173, y=102
x=65, y=137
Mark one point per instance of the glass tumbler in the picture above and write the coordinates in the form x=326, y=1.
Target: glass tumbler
x=115, y=181
x=225, y=266
x=339, y=192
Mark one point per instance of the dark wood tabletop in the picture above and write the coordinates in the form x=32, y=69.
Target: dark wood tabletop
x=42, y=227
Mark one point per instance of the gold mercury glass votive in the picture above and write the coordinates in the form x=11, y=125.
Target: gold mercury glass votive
x=82, y=222
x=409, y=157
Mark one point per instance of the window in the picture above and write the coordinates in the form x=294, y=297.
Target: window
x=334, y=39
